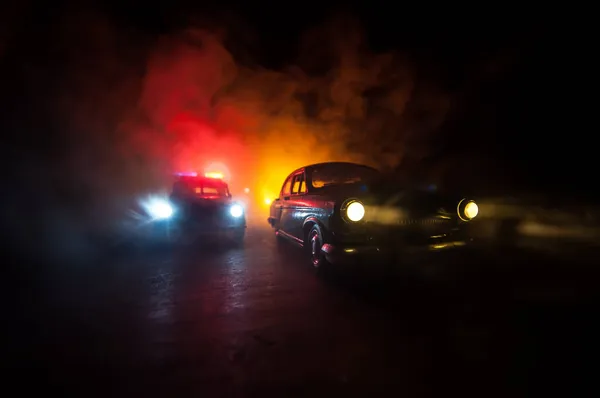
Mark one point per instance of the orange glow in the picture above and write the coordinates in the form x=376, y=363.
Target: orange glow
x=198, y=110
x=214, y=174
x=305, y=145
x=219, y=168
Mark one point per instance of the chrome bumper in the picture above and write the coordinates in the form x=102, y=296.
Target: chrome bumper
x=351, y=254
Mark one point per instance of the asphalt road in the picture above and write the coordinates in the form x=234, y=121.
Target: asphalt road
x=256, y=321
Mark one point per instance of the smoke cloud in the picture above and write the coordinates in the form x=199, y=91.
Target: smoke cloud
x=198, y=106
x=130, y=109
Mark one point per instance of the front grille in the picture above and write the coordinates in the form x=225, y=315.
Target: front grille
x=426, y=221
x=411, y=231
x=206, y=215
x=213, y=217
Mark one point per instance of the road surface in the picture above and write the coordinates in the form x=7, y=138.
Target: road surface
x=256, y=321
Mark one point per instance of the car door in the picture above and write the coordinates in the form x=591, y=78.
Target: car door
x=297, y=205
x=277, y=205
x=289, y=221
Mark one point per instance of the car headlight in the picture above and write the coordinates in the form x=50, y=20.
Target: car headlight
x=354, y=211
x=467, y=210
x=236, y=211
x=160, y=209
x=471, y=210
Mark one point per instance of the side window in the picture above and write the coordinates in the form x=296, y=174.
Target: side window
x=299, y=185
x=287, y=187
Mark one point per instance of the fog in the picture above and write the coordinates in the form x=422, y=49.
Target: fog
x=111, y=112
x=197, y=106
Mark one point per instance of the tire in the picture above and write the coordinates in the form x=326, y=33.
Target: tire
x=238, y=237
x=314, y=243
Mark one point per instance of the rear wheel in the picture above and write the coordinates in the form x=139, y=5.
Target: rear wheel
x=315, y=242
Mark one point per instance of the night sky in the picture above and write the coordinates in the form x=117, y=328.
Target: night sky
x=511, y=83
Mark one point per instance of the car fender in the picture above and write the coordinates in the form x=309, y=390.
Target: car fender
x=310, y=220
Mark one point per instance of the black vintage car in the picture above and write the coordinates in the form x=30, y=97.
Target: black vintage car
x=341, y=212
x=199, y=208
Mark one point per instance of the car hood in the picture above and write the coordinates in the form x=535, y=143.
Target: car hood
x=216, y=201
x=417, y=201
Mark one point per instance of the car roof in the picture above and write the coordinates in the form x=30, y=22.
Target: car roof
x=201, y=180
x=332, y=164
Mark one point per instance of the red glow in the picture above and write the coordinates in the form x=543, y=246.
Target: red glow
x=198, y=110
x=180, y=126
x=218, y=170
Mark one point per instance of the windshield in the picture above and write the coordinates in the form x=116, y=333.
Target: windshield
x=213, y=188
x=204, y=188
x=328, y=175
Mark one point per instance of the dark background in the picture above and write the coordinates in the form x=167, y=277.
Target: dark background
x=517, y=88
x=516, y=82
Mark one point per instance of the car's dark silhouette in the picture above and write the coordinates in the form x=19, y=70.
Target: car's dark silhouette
x=343, y=211
x=203, y=208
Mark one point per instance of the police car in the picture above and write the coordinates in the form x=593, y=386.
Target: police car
x=199, y=208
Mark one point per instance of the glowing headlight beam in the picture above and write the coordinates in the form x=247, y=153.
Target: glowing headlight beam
x=467, y=210
x=159, y=209
x=471, y=210
x=355, y=211
x=236, y=211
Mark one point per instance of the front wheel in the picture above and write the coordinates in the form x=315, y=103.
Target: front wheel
x=238, y=236
x=175, y=234
x=315, y=244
